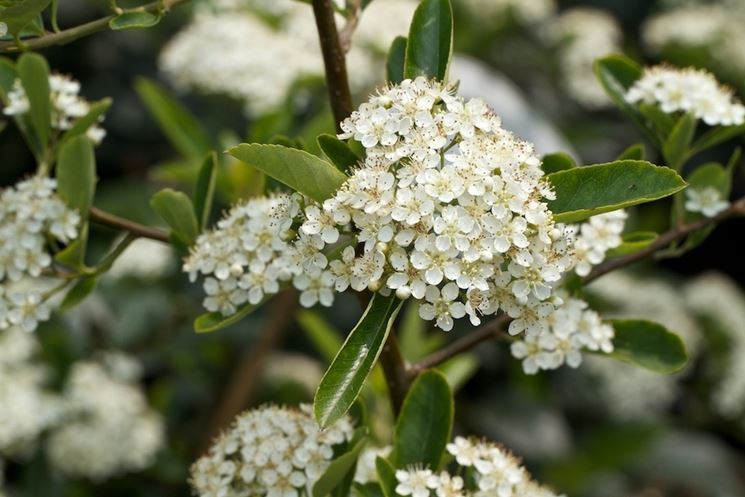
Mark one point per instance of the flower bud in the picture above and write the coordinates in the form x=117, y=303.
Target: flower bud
x=403, y=292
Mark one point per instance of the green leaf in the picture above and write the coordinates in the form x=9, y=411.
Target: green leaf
x=386, y=476
x=184, y=132
x=7, y=77
x=425, y=422
x=660, y=122
x=345, y=377
x=634, y=152
x=18, y=16
x=616, y=74
x=177, y=210
x=394, y=63
x=338, y=471
x=76, y=174
x=213, y=321
x=648, y=345
x=34, y=74
x=338, y=152
x=587, y=191
x=79, y=292
x=459, y=370
x=675, y=148
x=430, y=42
x=134, y=20
x=715, y=136
x=559, y=161
x=633, y=242
x=84, y=123
x=369, y=489
x=301, y=171
x=205, y=190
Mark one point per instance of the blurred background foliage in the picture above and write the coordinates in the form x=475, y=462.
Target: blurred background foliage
x=602, y=430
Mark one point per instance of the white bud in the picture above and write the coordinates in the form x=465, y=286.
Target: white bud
x=236, y=270
x=381, y=247
x=403, y=292
x=487, y=256
x=374, y=285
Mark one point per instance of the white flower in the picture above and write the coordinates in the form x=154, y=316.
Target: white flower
x=415, y=482
x=687, y=90
x=708, y=201
x=3, y=29
x=276, y=451
x=442, y=306
x=315, y=287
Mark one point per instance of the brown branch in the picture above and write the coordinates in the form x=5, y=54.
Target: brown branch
x=397, y=374
x=333, y=60
x=494, y=327
x=242, y=385
x=353, y=19
x=136, y=229
x=71, y=34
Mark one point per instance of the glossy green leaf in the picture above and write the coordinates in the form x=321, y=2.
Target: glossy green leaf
x=181, y=128
x=79, y=292
x=430, y=42
x=425, y=423
x=715, y=136
x=345, y=377
x=338, y=470
x=633, y=242
x=648, y=345
x=34, y=74
x=338, y=152
x=7, y=77
x=394, y=63
x=177, y=211
x=386, y=476
x=76, y=174
x=559, y=161
x=93, y=116
x=205, y=190
x=675, y=148
x=18, y=16
x=213, y=321
x=590, y=190
x=616, y=74
x=634, y=152
x=301, y=171
x=134, y=20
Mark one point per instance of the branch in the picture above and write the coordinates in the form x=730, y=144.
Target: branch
x=353, y=19
x=136, y=229
x=397, y=374
x=241, y=387
x=494, y=327
x=333, y=60
x=72, y=34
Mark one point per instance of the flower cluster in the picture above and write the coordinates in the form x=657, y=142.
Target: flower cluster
x=249, y=254
x=27, y=408
x=494, y=472
x=30, y=214
x=595, y=237
x=235, y=38
x=687, y=90
x=108, y=428
x=707, y=200
x=270, y=451
x=67, y=105
x=584, y=35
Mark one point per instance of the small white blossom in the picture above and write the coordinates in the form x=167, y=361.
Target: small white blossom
x=708, y=201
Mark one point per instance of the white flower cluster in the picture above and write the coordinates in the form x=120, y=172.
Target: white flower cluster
x=715, y=28
x=492, y=469
x=27, y=408
x=584, y=35
x=109, y=428
x=687, y=90
x=719, y=300
x=221, y=45
x=270, y=451
x=366, y=470
x=522, y=11
x=595, y=238
x=250, y=254
x=707, y=200
x=30, y=213
x=67, y=105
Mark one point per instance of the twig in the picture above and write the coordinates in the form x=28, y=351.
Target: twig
x=241, y=387
x=333, y=60
x=353, y=19
x=74, y=33
x=397, y=374
x=493, y=328
x=136, y=229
